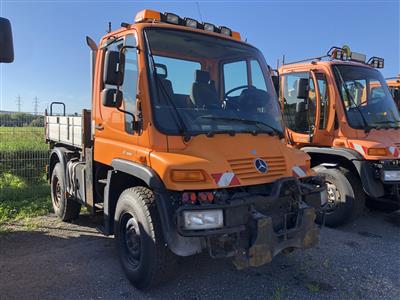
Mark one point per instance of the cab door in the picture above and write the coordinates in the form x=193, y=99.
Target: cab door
x=114, y=136
x=322, y=134
x=299, y=114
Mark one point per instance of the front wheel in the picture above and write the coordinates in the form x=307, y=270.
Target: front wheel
x=346, y=197
x=140, y=243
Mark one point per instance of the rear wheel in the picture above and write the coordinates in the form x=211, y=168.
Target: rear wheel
x=65, y=208
x=346, y=197
x=144, y=256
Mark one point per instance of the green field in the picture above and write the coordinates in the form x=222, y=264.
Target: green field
x=22, y=138
x=24, y=192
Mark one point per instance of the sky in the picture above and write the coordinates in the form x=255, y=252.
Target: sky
x=52, y=60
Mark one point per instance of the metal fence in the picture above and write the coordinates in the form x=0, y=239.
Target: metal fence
x=23, y=156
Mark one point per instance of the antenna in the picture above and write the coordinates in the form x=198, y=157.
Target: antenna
x=277, y=64
x=109, y=27
x=19, y=103
x=283, y=59
x=199, y=11
x=35, y=105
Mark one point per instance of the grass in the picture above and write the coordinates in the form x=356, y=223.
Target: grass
x=22, y=139
x=24, y=192
x=20, y=200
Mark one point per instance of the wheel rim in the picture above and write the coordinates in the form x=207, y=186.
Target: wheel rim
x=131, y=239
x=334, y=197
x=57, y=192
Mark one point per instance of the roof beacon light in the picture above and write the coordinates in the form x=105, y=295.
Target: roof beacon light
x=358, y=57
x=147, y=15
x=209, y=27
x=192, y=23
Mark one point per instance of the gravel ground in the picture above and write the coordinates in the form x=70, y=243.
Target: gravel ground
x=73, y=261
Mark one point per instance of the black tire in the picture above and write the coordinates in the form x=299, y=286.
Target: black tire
x=144, y=256
x=344, y=185
x=65, y=208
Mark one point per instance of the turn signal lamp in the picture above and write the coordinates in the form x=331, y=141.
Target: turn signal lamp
x=377, y=151
x=187, y=176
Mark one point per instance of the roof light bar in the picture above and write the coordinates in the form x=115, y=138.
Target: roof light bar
x=376, y=62
x=225, y=30
x=171, y=18
x=192, y=23
x=148, y=15
x=209, y=27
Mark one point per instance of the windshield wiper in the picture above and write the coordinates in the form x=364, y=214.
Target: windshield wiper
x=259, y=124
x=160, y=86
x=367, y=127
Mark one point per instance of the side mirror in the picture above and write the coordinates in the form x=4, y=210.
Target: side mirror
x=6, y=42
x=161, y=70
x=302, y=88
x=111, y=98
x=114, y=68
x=275, y=81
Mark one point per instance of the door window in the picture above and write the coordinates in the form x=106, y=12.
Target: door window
x=299, y=113
x=324, y=100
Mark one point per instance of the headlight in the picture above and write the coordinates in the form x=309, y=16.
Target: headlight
x=203, y=219
x=393, y=175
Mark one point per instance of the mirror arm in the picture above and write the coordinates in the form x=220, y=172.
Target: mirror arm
x=135, y=124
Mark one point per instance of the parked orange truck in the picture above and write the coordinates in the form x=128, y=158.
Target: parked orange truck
x=394, y=87
x=183, y=150
x=339, y=110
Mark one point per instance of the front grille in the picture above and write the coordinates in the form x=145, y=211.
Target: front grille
x=245, y=170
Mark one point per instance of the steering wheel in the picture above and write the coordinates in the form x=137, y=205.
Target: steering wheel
x=236, y=89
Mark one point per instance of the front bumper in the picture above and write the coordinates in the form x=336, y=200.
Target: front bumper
x=258, y=227
x=376, y=184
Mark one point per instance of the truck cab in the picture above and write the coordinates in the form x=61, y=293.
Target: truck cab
x=339, y=110
x=183, y=150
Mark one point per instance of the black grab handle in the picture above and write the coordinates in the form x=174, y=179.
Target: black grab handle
x=59, y=103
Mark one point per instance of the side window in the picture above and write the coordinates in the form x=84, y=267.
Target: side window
x=324, y=100
x=235, y=75
x=299, y=113
x=257, y=76
x=129, y=87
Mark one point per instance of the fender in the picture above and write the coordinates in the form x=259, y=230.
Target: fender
x=61, y=154
x=179, y=245
x=139, y=171
x=372, y=187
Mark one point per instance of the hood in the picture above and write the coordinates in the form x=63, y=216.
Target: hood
x=242, y=159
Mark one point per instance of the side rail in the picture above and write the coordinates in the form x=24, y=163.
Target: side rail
x=69, y=130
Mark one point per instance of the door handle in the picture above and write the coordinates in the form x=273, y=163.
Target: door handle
x=99, y=127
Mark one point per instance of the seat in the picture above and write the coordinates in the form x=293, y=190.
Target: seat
x=204, y=93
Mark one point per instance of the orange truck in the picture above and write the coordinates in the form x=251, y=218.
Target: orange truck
x=394, y=87
x=183, y=150
x=338, y=109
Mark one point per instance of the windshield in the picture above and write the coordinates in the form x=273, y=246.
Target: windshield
x=209, y=85
x=366, y=97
